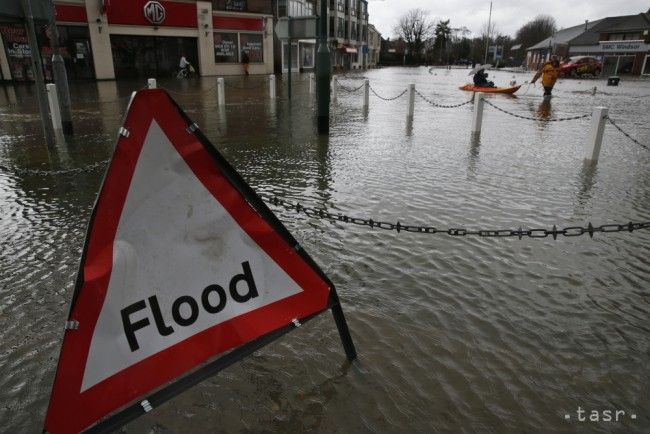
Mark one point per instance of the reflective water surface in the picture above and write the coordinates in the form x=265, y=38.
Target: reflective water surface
x=453, y=334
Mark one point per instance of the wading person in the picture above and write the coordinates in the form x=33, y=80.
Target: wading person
x=549, y=72
x=245, y=61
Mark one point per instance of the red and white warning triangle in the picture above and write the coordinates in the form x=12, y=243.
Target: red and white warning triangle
x=178, y=267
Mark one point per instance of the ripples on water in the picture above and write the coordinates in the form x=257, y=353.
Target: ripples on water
x=453, y=334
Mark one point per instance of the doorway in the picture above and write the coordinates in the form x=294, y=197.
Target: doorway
x=151, y=56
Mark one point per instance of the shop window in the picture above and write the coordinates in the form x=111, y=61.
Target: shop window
x=339, y=28
x=633, y=37
x=340, y=5
x=226, y=47
x=252, y=44
x=646, y=65
x=282, y=8
x=18, y=51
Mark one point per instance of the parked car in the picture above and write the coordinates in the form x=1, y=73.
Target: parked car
x=577, y=66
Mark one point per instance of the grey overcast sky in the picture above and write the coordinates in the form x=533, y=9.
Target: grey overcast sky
x=508, y=15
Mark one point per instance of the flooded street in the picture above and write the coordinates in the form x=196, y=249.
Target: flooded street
x=454, y=334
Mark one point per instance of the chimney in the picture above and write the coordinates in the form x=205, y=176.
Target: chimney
x=586, y=25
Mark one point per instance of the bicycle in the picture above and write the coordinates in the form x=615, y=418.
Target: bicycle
x=182, y=73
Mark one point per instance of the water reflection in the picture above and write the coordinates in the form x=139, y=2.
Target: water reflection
x=474, y=150
x=587, y=173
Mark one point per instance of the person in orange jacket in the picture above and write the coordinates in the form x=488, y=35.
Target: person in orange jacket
x=549, y=72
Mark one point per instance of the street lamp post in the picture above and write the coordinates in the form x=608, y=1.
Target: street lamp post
x=323, y=74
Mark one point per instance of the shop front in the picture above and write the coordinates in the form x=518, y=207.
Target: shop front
x=303, y=55
x=618, y=57
x=151, y=56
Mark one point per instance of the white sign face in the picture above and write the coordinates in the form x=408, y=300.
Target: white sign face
x=212, y=251
x=154, y=12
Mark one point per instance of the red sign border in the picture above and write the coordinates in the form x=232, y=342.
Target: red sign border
x=86, y=408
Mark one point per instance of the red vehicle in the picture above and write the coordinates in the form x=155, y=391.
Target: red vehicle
x=577, y=66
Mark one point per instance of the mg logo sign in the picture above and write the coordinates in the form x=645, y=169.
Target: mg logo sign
x=154, y=12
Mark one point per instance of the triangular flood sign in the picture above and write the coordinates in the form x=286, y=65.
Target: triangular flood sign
x=182, y=263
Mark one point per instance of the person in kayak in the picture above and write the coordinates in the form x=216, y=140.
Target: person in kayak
x=549, y=73
x=480, y=79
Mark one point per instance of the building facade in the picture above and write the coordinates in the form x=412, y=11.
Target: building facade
x=108, y=39
x=374, y=46
x=621, y=43
x=348, y=33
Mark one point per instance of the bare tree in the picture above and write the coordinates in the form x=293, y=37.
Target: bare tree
x=536, y=30
x=415, y=27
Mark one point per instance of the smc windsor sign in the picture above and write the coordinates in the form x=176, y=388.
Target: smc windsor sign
x=154, y=12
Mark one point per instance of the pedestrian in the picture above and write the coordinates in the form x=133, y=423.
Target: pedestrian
x=245, y=61
x=184, y=66
x=549, y=73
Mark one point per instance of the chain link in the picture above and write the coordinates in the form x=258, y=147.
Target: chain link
x=530, y=118
x=626, y=134
x=570, y=231
x=442, y=105
x=42, y=172
x=349, y=89
x=387, y=99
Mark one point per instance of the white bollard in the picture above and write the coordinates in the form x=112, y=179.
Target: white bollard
x=411, y=106
x=335, y=89
x=221, y=92
x=595, y=136
x=55, y=111
x=478, y=112
x=272, y=86
x=311, y=83
x=151, y=83
x=366, y=93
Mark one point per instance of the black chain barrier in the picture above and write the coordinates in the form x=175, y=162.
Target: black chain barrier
x=42, y=172
x=569, y=231
x=443, y=105
x=257, y=86
x=387, y=99
x=626, y=134
x=531, y=118
x=349, y=89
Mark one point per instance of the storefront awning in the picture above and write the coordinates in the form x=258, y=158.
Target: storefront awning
x=349, y=50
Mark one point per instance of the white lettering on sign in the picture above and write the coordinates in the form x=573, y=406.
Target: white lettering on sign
x=154, y=12
x=181, y=265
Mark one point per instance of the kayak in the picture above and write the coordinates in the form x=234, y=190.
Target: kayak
x=472, y=88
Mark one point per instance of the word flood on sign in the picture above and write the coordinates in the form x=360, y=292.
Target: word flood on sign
x=190, y=304
x=184, y=272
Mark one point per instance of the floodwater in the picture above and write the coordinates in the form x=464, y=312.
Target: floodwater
x=454, y=334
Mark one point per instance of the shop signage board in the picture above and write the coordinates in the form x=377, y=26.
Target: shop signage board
x=182, y=263
x=623, y=46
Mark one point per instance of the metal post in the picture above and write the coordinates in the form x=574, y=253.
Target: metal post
x=411, y=101
x=60, y=78
x=323, y=73
x=311, y=82
x=151, y=83
x=272, y=86
x=366, y=93
x=54, y=107
x=477, y=119
x=335, y=90
x=289, y=73
x=595, y=136
x=37, y=66
x=221, y=92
